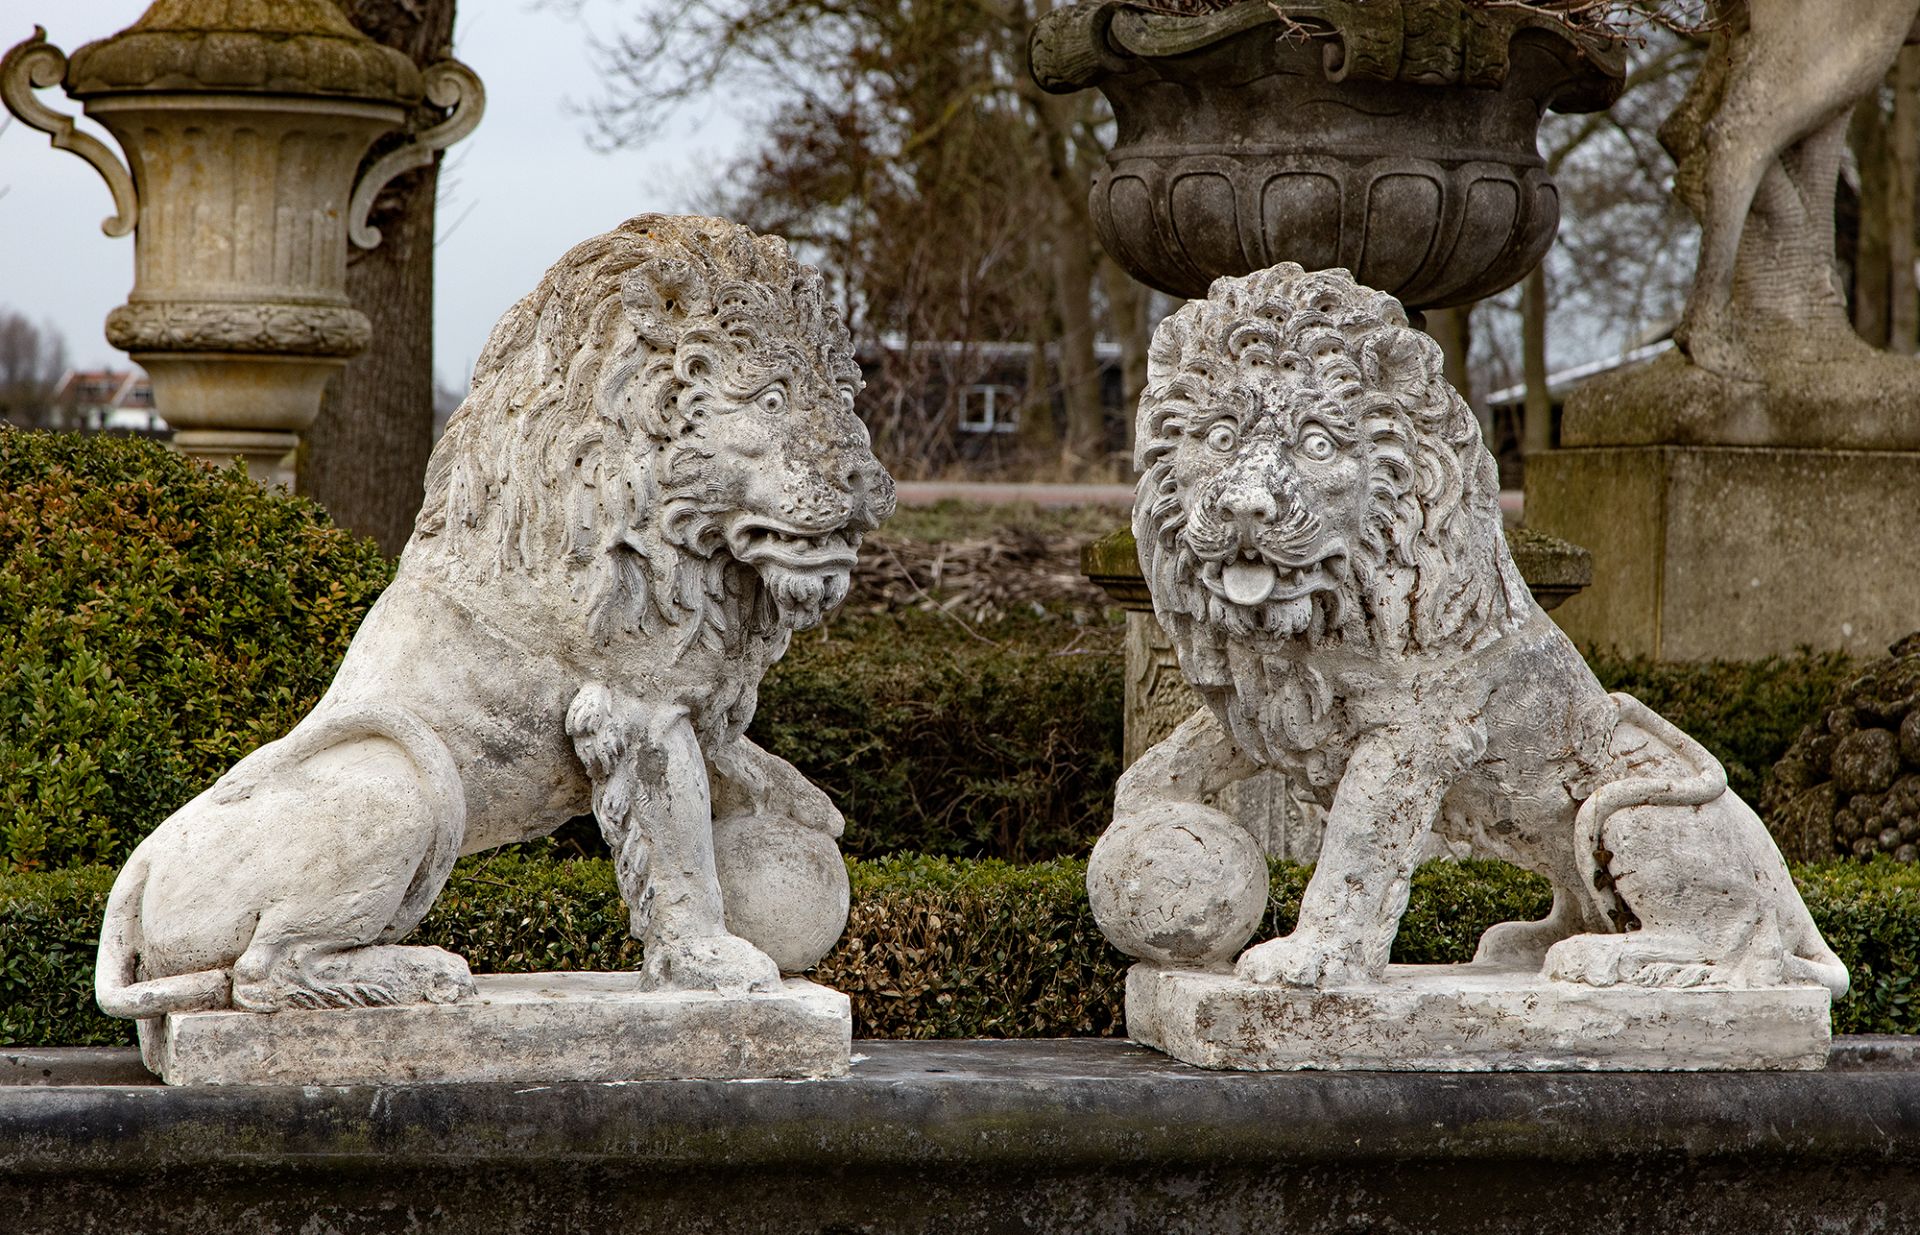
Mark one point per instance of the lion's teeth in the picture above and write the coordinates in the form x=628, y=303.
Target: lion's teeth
x=1248, y=583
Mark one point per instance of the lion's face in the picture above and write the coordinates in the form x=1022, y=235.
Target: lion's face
x=783, y=480
x=665, y=430
x=1309, y=481
x=1273, y=475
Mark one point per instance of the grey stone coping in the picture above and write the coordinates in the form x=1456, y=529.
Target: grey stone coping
x=1080, y=1135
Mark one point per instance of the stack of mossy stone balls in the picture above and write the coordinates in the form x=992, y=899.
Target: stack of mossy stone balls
x=1854, y=774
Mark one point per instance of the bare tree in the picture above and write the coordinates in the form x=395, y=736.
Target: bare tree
x=1884, y=136
x=32, y=360
x=365, y=458
x=1619, y=269
x=946, y=193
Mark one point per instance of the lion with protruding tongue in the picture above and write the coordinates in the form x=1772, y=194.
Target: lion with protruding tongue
x=1318, y=522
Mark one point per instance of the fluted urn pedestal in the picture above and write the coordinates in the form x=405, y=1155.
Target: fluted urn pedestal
x=245, y=126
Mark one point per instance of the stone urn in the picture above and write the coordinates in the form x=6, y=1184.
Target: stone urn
x=245, y=126
x=1395, y=138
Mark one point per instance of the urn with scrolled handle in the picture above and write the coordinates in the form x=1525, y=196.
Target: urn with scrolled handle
x=245, y=129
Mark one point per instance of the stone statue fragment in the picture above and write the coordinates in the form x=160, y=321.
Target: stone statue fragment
x=657, y=479
x=1317, y=519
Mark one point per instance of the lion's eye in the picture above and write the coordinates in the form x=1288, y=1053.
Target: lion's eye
x=1316, y=445
x=772, y=399
x=1222, y=437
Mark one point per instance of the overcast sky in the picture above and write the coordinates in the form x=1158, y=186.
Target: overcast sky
x=519, y=192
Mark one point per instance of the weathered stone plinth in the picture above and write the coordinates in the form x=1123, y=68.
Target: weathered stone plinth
x=1735, y=552
x=1470, y=1018
x=543, y=1027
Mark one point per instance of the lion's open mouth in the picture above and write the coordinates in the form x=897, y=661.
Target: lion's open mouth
x=1252, y=581
x=763, y=542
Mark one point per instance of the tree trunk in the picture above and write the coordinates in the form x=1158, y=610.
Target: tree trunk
x=1903, y=167
x=1537, y=434
x=1452, y=329
x=1867, y=134
x=366, y=456
x=1127, y=303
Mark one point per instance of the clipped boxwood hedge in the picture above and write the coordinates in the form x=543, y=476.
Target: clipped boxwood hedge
x=158, y=620
x=934, y=948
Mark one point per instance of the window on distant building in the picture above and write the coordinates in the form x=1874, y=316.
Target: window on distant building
x=989, y=409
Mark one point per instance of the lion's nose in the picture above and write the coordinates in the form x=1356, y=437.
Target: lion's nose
x=1249, y=504
x=861, y=476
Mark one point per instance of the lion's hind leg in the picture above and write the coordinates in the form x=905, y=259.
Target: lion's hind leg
x=374, y=976
x=369, y=817
x=1525, y=944
x=1639, y=958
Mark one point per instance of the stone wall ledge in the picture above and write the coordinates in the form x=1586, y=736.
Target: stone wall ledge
x=1080, y=1136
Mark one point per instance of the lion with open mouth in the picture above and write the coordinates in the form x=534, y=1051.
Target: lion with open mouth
x=1318, y=522
x=657, y=479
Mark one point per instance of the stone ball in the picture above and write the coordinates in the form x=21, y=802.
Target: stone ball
x=1866, y=761
x=1182, y=885
x=1910, y=739
x=784, y=886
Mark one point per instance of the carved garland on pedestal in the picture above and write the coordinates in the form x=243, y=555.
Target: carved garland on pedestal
x=284, y=329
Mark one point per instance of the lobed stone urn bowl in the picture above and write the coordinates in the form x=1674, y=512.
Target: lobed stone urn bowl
x=1396, y=139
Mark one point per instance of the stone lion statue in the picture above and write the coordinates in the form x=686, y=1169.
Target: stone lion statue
x=657, y=478
x=1318, y=522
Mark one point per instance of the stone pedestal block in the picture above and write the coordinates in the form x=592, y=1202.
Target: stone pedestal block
x=1734, y=552
x=1472, y=1018
x=536, y=1028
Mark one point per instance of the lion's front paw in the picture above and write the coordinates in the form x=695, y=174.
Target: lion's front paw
x=1297, y=961
x=726, y=964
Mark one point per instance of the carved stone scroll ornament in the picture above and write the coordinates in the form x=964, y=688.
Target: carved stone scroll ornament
x=657, y=479
x=1318, y=522
x=246, y=125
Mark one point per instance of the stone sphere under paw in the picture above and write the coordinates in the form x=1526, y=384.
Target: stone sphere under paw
x=784, y=887
x=1184, y=885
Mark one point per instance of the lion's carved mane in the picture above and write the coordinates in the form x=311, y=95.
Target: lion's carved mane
x=571, y=458
x=1424, y=573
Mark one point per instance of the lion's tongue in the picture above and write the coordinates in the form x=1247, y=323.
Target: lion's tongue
x=1248, y=583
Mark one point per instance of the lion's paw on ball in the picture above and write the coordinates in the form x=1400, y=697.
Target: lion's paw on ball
x=1183, y=885
x=784, y=886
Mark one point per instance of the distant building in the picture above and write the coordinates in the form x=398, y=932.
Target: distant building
x=984, y=389
x=1507, y=408
x=108, y=401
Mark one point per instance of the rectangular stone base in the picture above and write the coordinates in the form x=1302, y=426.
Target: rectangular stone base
x=1705, y=552
x=1467, y=1018
x=542, y=1027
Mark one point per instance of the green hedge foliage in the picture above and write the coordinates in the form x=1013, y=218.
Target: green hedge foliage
x=158, y=620
x=934, y=948
x=933, y=739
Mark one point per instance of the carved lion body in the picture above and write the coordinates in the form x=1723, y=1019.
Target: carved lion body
x=657, y=478
x=1319, y=525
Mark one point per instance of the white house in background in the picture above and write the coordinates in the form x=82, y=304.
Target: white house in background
x=108, y=400
x=1560, y=384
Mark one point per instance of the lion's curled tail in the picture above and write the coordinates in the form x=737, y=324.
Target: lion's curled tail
x=118, y=988
x=1808, y=958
